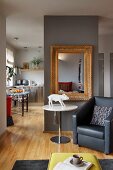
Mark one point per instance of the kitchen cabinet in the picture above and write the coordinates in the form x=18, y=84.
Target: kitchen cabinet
x=32, y=95
x=36, y=94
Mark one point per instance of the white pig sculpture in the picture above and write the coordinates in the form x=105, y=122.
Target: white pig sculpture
x=57, y=97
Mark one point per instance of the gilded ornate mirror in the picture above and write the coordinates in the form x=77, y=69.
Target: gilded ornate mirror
x=71, y=71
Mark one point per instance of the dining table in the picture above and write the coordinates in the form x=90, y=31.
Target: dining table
x=20, y=97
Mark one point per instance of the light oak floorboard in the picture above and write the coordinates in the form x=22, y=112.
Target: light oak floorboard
x=26, y=140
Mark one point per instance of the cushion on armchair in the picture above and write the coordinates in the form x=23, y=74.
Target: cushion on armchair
x=100, y=114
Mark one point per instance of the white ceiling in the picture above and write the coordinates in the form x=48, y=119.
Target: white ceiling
x=25, y=18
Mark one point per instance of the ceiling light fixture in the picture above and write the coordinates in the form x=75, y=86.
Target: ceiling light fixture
x=39, y=46
x=16, y=38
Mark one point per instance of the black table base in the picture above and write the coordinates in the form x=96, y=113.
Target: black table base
x=63, y=139
x=10, y=121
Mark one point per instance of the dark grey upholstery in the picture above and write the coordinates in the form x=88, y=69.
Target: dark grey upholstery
x=95, y=137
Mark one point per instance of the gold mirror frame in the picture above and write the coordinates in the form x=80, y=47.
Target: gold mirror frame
x=87, y=51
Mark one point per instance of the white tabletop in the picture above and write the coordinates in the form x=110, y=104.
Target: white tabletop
x=58, y=107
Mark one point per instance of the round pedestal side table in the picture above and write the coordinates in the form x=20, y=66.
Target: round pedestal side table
x=57, y=108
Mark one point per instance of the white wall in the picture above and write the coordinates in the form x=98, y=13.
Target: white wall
x=106, y=47
x=26, y=55
x=11, y=48
x=2, y=74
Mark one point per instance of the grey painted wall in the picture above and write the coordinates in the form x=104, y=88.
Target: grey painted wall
x=68, y=30
x=111, y=74
x=106, y=47
x=101, y=73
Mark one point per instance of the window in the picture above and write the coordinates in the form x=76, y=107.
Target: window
x=10, y=63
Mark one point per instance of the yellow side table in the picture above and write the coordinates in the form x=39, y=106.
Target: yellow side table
x=60, y=157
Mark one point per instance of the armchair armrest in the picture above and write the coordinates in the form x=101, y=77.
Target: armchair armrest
x=109, y=133
x=109, y=118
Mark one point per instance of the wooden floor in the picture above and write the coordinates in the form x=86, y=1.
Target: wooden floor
x=26, y=140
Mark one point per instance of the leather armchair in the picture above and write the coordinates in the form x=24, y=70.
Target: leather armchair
x=93, y=136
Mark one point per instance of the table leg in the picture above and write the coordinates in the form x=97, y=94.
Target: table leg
x=60, y=139
x=14, y=102
x=22, y=105
x=59, y=127
x=27, y=103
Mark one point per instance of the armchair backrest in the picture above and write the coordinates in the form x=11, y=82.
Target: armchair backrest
x=84, y=113
x=104, y=101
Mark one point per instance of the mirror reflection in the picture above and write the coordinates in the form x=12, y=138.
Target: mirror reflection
x=71, y=72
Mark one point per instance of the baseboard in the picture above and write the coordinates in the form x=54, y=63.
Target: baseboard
x=56, y=131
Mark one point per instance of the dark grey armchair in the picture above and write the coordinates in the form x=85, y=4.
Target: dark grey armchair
x=93, y=136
